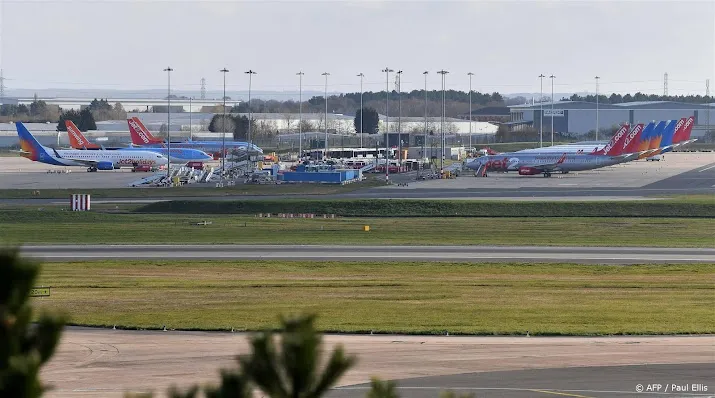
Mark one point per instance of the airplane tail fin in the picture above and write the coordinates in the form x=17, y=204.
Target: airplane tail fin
x=140, y=134
x=614, y=146
x=31, y=148
x=689, y=123
x=77, y=139
x=633, y=139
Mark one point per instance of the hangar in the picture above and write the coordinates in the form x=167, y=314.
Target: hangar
x=579, y=117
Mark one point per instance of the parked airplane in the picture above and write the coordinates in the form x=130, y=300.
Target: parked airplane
x=547, y=163
x=178, y=155
x=93, y=160
x=141, y=136
x=576, y=148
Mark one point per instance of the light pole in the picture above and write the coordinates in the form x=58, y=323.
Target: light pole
x=223, y=136
x=387, y=122
x=168, y=71
x=250, y=111
x=362, y=127
x=441, y=124
x=470, y=74
x=326, y=74
x=597, y=107
x=191, y=131
x=424, y=141
x=399, y=117
x=541, y=112
x=300, y=113
x=552, y=109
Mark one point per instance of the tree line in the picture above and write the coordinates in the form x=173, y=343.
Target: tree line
x=280, y=365
x=41, y=112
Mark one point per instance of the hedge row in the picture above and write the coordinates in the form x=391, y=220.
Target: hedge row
x=437, y=208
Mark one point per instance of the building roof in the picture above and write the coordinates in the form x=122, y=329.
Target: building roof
x=30, y=126
x=662, y=105
x=621, y=106
x=491, y=111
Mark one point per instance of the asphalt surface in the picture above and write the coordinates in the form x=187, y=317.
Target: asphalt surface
x=609, y=183
x=583, y=255
x=669, y=380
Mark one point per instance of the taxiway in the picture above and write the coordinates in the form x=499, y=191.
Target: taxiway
x=583, y=255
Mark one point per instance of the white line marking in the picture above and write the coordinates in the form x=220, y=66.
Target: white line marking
x=707, y=168
x=523, y=389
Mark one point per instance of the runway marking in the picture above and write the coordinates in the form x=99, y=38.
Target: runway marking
x=528, y=390
x=561, y=393
x=707, y=168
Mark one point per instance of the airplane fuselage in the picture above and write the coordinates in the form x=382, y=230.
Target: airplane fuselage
x=117, y=159
x=516, y=161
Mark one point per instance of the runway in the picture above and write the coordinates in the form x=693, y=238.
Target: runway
x=582, y=255
x=106, y=363
x=666, y=380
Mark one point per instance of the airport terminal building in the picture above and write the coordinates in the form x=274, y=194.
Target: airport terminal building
x=579, y=117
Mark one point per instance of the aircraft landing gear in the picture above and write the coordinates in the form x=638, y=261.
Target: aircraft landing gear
x=547, y=174
x=91, y=169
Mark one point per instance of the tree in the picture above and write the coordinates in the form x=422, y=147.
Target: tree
x=370, y=118
x=294, y=370
x=382, y=389
x=86, y=120
x=237, y=125
x=69, y=114
x=24, y=347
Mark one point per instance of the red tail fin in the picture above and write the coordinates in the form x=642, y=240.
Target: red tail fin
x=632, y=139
x=688, y=128
x=679, y=130
x=612, y=148
x=140, y=135
x=77, y=139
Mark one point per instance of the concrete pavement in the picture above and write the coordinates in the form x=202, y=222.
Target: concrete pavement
x=584, y=255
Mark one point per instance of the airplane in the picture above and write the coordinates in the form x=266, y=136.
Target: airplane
x=93, y=160
x=142, y=137
x=547, y=163
x=577, y=148
x=178, y=155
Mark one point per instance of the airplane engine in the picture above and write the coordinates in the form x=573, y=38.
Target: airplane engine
x=105, y=166
x=528, y=171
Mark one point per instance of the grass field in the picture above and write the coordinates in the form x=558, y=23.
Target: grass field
x=673, y=208
x=388, y=297
x=52, y=225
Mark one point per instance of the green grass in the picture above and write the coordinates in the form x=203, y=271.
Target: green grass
x=193, y=191
x=441, y=208
x=51, y=225
x=547, y=299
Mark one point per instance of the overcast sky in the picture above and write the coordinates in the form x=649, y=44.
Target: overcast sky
x=127, y=44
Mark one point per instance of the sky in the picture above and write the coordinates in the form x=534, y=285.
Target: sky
x=506, y=44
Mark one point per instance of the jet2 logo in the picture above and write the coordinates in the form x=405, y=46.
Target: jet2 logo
x=136, y=161
x=615, y=139
x=139, y=131
x=689, y=122
x=632, y=134
x=679, y=125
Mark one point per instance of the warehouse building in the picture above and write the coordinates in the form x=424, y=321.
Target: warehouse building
x=579, y=117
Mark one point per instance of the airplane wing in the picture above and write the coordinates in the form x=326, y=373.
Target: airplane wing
x=556, y=166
